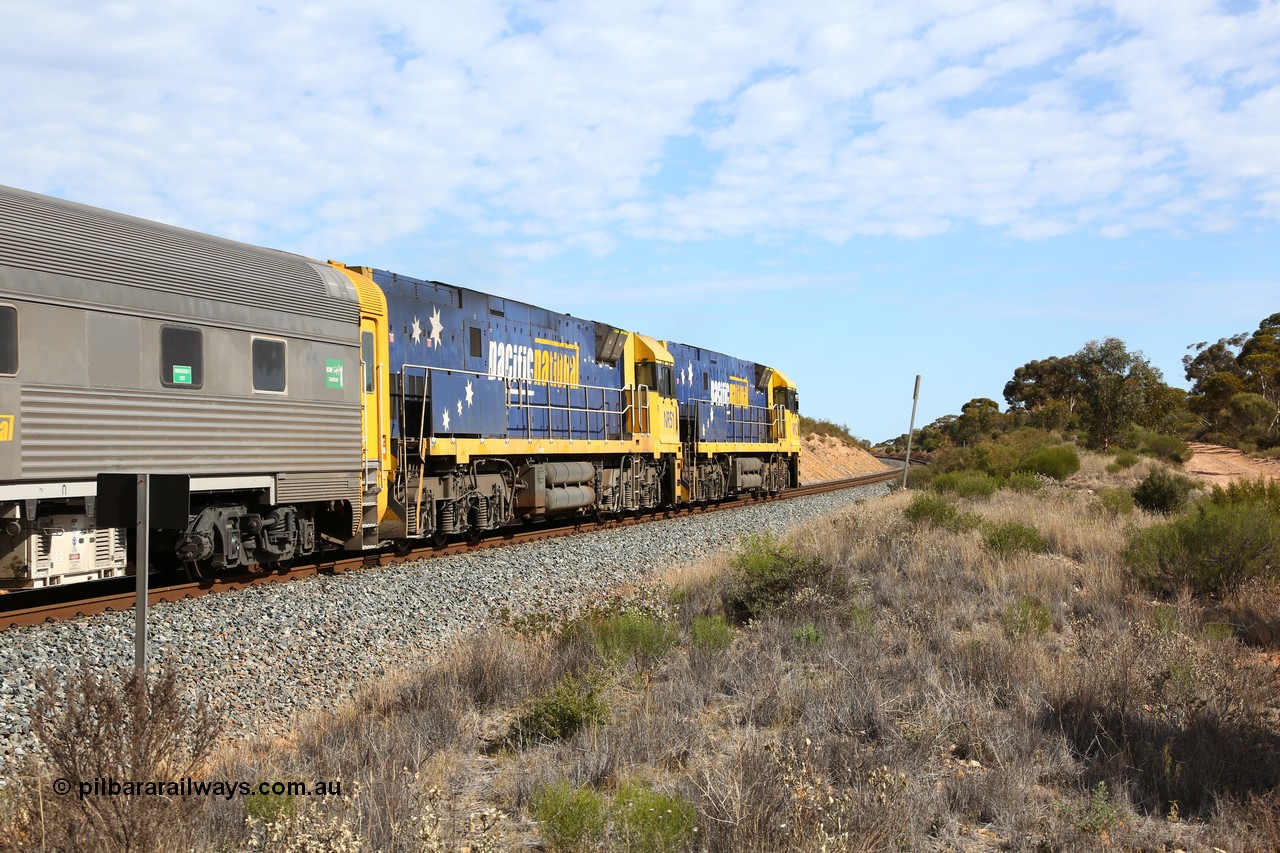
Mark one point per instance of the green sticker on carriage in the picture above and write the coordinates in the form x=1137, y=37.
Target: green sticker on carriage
x=181, y=374
x=333, y=373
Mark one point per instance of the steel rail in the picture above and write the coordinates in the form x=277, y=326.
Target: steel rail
x=16, y=617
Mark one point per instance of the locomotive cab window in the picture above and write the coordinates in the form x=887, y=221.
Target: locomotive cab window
x=788, y=398
x=268, y=365
x=666, y=380
x=181, y=357
x=644, y=374
x=8, y=340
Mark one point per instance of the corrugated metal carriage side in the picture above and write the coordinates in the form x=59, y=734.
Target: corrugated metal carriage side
x=131, y=346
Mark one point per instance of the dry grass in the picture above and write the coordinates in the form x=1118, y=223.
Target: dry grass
x=914, y=688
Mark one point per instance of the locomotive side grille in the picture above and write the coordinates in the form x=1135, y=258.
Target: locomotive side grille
x=79, y=432
x=66, y=239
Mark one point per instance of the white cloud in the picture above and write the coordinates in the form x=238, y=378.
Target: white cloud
x=543, y=125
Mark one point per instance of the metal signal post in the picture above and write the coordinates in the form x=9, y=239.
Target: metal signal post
x=149, y=501
x=915, y=398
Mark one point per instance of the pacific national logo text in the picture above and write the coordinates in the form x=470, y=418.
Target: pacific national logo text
x=546, y=361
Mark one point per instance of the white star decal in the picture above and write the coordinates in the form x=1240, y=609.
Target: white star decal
x=417, y=330
x=446, y=418
x=689, y=380
x=436, y=327
x=470, y=393
x=459, y=408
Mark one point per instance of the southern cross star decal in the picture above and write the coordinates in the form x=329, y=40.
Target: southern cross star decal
x=459, y=408
x=417, y=330
x=445, y=418
x=470, y=393
x=436, y=327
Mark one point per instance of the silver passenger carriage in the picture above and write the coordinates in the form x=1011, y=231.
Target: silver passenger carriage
x=130, y=346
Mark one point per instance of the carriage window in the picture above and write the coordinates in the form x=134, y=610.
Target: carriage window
x=268, y=365
x=181, y=357
x=367, y=356
x=8, y=340
x=475, y=343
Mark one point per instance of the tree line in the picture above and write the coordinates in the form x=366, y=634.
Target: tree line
x=1106, y=395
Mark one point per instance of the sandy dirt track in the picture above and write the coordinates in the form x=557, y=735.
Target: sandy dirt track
x=1218, y=465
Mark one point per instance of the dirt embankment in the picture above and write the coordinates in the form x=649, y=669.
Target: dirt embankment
x=828, y=458
x=1218, y=465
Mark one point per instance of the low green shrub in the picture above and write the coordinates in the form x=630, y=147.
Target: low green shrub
x=1024, y=481
x=1260, y=492
x=1163, y=491
x=1012, y=537
x=569, y=818
x=1058, y=462
x=711, y=633
x=937, y=510
x=768, y=573
x=621, y=637
x=967, y=484
x=1125, y=459
x=1218, y=632
x=807, y=635
x=573, y=704
x=648, y=820
x=1168, y=447
x=1115, y=500
x=1209, y=551
x=1027, y=617
x=269, y=807
x=1100, y=814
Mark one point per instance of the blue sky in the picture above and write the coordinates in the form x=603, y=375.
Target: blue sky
x=851, y=192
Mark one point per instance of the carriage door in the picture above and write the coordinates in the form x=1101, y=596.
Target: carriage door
x=375, y=411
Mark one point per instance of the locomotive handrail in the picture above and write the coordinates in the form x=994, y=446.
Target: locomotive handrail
x=604, y=414
x=640, y=425
x=751, y=428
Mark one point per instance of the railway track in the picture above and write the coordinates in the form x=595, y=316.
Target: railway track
x=54, y=604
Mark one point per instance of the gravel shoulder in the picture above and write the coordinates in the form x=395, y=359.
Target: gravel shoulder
x=270, y=655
